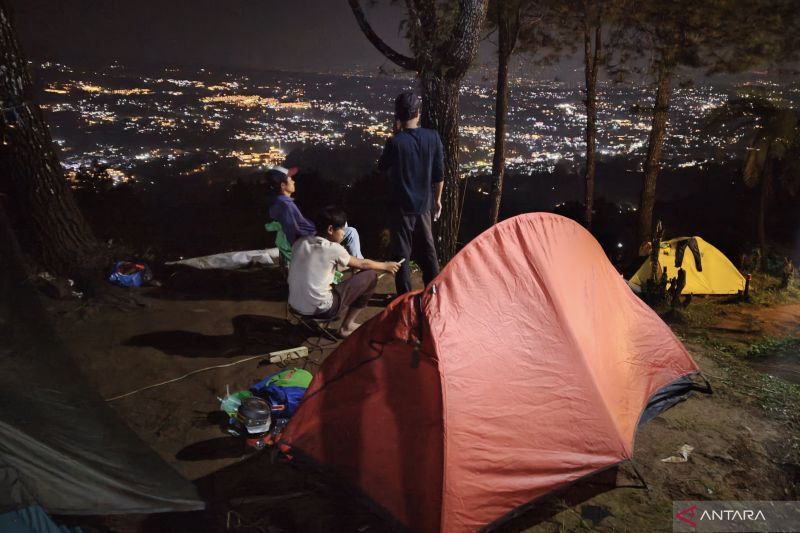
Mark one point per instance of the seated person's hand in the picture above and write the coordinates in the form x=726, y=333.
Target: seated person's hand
x=391, y=266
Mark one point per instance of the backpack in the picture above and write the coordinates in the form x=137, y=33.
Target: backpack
x=283, y=390
x=129, y=274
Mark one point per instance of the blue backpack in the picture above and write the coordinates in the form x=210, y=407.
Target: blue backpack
x=129, y=274
x=283, y=390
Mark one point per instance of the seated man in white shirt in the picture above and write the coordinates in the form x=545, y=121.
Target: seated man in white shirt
x=315, y=258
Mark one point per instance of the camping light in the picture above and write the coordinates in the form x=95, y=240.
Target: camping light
x=254, y=416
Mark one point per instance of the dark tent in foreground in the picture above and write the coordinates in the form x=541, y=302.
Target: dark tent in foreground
x=61, y=446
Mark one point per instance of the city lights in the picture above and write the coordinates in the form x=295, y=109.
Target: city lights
x=255, y=121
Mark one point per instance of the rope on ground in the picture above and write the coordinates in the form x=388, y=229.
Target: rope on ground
x=186, y=376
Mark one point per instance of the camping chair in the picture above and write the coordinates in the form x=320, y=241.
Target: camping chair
x=281, y=242
x=318, y=327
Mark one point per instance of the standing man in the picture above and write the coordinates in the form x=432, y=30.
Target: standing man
x=281, y=186
x=414, y=158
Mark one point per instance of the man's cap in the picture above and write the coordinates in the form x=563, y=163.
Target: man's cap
x=406, y=105
x=289, y=172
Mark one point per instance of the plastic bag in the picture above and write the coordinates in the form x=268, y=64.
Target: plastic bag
x=130, y=274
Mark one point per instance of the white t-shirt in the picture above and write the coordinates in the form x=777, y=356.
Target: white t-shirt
x=314, y=261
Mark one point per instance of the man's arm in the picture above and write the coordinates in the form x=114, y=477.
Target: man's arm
x=294, y=224
x=368, y=264
x=437, y=200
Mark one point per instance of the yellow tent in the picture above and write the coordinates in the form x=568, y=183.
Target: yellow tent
x=718, y=275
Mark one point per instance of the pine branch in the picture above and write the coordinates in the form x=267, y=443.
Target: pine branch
x=405, y=62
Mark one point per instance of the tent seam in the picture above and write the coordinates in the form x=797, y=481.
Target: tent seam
x=514, y=222
x=582, y=356
x=442, y=388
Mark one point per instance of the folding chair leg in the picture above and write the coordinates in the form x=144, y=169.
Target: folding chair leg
x=321, y=337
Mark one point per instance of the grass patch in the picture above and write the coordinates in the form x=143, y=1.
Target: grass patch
x=763, y=347
x=779, y=399
x=717, y=345
x=773, y=346
x=734, y=351
x=702, y=312
x=766, y=291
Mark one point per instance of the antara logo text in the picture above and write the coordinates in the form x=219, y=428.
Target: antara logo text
x=688, y=515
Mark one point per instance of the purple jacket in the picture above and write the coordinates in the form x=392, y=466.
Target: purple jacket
x=283, y=209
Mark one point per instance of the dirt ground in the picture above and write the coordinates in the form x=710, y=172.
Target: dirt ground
x=200, y=319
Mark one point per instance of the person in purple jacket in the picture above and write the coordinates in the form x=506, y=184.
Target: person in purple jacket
x=281, y=187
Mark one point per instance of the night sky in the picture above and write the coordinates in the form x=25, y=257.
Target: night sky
x=300, y=35
x=292, y=35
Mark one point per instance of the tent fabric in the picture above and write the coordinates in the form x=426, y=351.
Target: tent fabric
x=61, y=446
x=230, y=260
x=669, y=395
x=718, y=275
x=526, y=364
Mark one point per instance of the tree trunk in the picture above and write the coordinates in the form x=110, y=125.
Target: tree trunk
x=440, y=112
x=591, y=60
x=441, y=58
x=505, y=47
x=763, y=204
x=654, y=147
x=60, y=238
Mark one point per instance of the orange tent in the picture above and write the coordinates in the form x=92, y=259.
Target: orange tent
x=525, y=365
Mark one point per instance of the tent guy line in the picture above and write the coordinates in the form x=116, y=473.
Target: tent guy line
x=272, y=357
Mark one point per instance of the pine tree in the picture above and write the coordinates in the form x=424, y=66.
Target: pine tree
x=505, y=16
x=772, y=131
x=661, y=38
x=57, y=235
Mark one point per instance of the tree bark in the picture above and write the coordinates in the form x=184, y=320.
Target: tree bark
x=762, y=215
x=591, y=59
x=763, y=204
x=654, y=147
x=506, y=39
x=59, y=236
x=440, y=112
